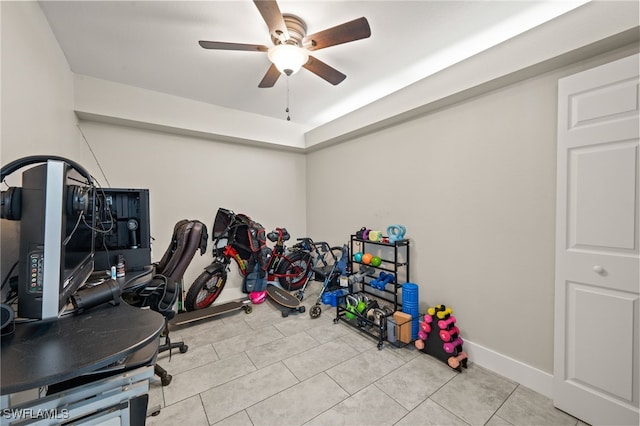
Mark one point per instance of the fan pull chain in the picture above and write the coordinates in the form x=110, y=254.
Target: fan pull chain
x=287, y=109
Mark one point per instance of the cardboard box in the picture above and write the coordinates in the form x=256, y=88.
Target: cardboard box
x=403, y=330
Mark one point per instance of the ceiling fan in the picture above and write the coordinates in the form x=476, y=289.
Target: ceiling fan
x=291, y=44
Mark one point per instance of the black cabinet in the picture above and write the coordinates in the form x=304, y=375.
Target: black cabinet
x=122, y=219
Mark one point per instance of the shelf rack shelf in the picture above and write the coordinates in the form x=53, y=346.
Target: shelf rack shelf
x=394, y=260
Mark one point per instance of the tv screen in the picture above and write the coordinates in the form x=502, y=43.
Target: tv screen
x=56, y=239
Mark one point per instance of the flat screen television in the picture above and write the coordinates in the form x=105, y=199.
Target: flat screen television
x=56, y=239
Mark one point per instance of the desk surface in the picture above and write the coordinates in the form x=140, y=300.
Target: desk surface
x=46, y=352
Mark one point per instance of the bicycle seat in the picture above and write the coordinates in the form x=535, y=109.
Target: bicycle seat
x=278, y=233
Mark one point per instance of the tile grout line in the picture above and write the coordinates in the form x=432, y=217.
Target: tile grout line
x=503, y=402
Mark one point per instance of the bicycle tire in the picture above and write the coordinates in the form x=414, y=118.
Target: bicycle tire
x=297, y=263
x=205, y=290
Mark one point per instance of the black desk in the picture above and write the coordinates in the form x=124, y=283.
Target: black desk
x=43, y=353
x=81, y=354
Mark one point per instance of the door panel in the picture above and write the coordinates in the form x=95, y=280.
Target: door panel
x=597, y=298
x=592, y=308
x=602, y=192
x=604, y=103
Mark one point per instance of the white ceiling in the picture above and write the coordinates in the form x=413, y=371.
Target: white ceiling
x=154, y=45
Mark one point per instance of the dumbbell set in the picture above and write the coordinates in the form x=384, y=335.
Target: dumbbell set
x=359, y=276
x=448, y=335
x=383, y=279
x=439, y=336
x=361, y=306
x=423, y=332
x=456, y=362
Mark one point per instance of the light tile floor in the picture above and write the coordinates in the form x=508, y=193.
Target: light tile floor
x=263, y=369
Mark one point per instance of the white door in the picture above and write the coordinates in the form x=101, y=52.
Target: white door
x=596, y=359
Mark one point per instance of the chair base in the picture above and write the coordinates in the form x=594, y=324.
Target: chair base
x=165, y=377
x=174, y=345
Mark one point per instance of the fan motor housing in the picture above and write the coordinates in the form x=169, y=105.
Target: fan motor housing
x=297, y=30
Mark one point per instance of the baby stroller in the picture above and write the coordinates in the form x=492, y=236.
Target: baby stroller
x=329, y=264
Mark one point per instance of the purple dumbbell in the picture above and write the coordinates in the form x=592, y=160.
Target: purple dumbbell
x=444, y=323
x=450, y=347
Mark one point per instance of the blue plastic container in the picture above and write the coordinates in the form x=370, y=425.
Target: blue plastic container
x=331, y=297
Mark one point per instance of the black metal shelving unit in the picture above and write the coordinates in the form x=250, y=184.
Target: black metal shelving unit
x=395, y=260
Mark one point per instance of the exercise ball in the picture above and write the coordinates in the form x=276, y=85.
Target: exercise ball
x=376, y=261
x=366, y=258
x=357, y=257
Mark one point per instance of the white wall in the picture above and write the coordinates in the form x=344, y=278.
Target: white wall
x=37, y=98
x=474, y=183
x=190, y=178
x=37, y=87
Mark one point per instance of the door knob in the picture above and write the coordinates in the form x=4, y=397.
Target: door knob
x=598, y=269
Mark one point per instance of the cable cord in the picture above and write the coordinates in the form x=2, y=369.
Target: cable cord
x=94, y=155
x=8, y=276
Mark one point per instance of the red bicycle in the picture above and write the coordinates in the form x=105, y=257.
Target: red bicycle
x=239, y=239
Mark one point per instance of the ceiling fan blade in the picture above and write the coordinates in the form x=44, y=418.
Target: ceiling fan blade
x=270, y=77
x=343, y=33
x=220, y=45
x=324, y=71
x=273, y=17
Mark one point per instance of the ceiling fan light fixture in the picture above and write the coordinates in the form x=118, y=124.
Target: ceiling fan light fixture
x=288, y=58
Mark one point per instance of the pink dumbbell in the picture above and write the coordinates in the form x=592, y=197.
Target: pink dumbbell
x=428, y=319
x=446, y=335
x=455, y=361
x=446, y=322
x=450, y=347
x=422, y=335
x=419, y=344
x=425, y=327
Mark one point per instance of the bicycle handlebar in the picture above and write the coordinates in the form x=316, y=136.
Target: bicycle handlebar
x=319, y=245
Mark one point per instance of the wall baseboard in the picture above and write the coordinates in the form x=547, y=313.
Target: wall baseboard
x=510, y=368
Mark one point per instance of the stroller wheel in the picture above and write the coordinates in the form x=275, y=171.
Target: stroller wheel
x=315, y=311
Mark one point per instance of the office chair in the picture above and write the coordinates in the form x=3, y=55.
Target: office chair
x=162, y=292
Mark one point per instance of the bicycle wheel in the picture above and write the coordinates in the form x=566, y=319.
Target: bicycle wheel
x=205, y=290
x=295, y=270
